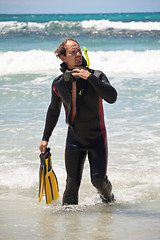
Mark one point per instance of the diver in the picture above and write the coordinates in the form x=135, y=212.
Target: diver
x=81, y=91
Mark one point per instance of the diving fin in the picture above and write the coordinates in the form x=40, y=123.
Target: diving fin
x=48, y=183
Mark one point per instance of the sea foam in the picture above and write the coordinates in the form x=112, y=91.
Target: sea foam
x=111, y=62
x=101, y=25
x=33, y=61
x=53, y=27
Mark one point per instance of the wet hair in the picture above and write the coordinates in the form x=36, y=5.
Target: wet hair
x=61, y=50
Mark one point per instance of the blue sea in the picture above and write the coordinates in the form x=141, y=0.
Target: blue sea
x=126, y=47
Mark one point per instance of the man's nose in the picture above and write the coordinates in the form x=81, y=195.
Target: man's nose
x=79, y=53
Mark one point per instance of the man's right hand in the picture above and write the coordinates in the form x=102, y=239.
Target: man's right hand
x=43, y=146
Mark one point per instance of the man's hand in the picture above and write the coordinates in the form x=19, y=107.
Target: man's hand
x=81, y=72
x=43, y=146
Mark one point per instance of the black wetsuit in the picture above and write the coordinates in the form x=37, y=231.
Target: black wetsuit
x=87, y=133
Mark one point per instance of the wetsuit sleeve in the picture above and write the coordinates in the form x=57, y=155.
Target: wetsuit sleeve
x=52, y=114
x=103, y=87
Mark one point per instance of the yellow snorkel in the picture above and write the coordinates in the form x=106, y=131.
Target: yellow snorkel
x=86, y=56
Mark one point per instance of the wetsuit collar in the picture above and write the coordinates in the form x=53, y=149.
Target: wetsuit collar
x=64, y=66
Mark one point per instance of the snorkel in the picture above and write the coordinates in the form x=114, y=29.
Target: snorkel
x=86, y=56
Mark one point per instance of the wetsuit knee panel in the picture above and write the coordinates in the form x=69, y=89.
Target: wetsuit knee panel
x=72, y=183
x=98, y=180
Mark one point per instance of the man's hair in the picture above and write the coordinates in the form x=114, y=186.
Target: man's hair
x=61, y=50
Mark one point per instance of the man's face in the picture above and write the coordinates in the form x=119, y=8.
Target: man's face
x=73, y=56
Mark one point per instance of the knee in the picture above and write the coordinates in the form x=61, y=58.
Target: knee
x=72, y=184
x=98, y=181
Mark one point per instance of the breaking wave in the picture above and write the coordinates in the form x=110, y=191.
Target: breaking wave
x=57, y=27
x=112, y=62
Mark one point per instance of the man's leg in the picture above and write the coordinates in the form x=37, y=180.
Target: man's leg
x=74, y=161
x=98, y=157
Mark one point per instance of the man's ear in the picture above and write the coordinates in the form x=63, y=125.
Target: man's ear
x=62, y=57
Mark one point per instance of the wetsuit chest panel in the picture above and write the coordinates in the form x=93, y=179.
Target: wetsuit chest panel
x=87, y=102
x=87, y=105
x=65, y=92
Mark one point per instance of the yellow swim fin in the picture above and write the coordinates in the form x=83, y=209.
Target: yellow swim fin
x=48, y=183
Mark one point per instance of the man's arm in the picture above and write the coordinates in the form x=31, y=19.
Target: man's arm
x=51, y=119
x=99, y=83
x=103, y=87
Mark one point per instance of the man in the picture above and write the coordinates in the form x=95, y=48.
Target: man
x=81, y=91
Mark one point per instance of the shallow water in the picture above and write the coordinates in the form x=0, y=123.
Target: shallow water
x=25, y=218
x=133, y=135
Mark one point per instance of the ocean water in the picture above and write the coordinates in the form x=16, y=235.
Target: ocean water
x=126, y=47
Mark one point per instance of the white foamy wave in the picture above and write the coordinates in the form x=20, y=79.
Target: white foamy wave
x=22, y=177
x=76, y=26
x=14, y=26
x=51, y=26
x=101, y=25
x=33, y=61
x=126, y=62
x=112, y=62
